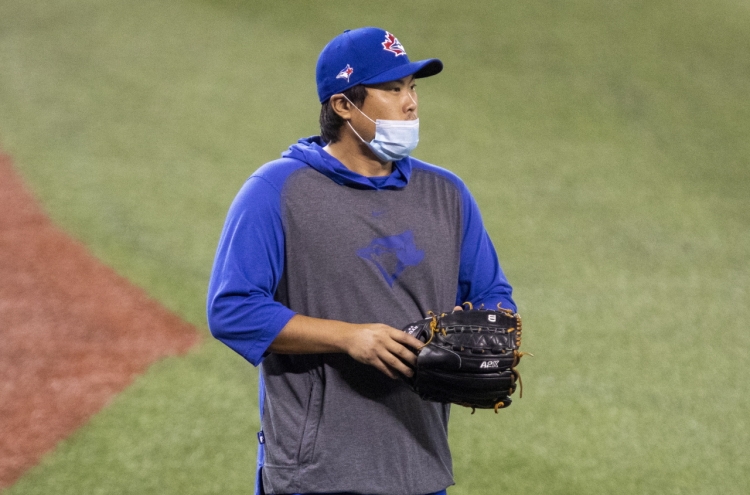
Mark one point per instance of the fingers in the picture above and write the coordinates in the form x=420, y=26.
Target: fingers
x=390, y=365
x=395, y=359
x=380, y=366
x=385, y=348
x=394, y=364
x=406, y=339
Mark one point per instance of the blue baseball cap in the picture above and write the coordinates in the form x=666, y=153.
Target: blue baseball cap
x=366, y=56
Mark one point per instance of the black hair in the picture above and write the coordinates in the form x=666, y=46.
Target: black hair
x=330, y=121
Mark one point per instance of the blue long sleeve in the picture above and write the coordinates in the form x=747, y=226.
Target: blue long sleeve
x=481, y=280
x=247, y=269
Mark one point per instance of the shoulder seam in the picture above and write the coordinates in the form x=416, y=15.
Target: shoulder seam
x=450, y=177
x=263, y=177
x=260, y=177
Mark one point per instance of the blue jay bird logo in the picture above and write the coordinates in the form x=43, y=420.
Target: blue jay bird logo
x=392, y=254
x=346, y=73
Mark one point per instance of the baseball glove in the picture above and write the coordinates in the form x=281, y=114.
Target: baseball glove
x=469, y=357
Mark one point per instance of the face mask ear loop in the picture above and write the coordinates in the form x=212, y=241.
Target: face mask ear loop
x=355, y=132
x=360, y=111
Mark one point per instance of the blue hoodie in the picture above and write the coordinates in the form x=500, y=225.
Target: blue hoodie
x=307, y=235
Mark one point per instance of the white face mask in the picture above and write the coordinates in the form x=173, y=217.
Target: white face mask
x=394, y=139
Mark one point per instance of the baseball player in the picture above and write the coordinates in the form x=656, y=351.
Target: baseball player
x=324, y=255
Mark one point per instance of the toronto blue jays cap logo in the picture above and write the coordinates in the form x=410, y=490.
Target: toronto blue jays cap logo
x=345, y=73
x=392, y=44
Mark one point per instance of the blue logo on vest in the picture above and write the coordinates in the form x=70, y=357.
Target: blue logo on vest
x=391, y=255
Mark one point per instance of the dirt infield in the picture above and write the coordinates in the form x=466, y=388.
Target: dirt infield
x=73, y=333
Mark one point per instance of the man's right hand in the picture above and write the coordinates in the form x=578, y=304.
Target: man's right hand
x=388, y=349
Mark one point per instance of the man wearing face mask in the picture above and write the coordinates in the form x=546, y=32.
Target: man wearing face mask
x=325, y=254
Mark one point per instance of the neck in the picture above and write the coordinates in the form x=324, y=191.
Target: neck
x=357, y=157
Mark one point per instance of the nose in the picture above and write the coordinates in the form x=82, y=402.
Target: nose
x=411, y=102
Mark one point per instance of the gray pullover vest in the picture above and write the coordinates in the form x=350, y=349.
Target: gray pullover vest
x=332, y=424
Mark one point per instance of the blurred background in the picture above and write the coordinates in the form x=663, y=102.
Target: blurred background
x=605, y=142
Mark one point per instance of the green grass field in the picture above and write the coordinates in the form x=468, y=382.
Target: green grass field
x=606, y=143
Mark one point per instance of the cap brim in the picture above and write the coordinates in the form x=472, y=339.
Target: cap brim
x=422, y=68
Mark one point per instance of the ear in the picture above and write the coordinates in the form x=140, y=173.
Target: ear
x=341, y=106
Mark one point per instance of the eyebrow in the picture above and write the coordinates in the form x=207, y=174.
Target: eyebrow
x=405, y=81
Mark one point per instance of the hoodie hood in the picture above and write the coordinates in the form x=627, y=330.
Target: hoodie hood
x=310, y=150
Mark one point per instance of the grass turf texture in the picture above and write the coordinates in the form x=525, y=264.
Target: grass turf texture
x=606, y=144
